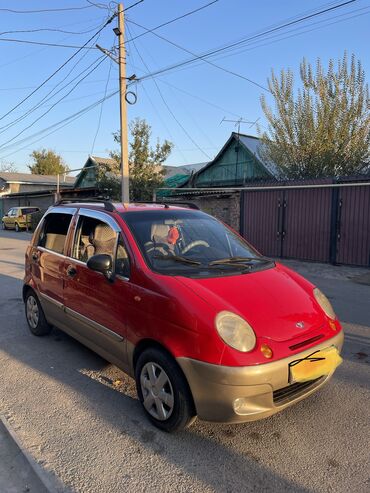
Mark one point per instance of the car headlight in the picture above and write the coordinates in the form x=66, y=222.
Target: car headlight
x=235, y=331
x=325, y=304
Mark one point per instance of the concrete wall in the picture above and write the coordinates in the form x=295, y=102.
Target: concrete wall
x=42, y=201
x=225, y=207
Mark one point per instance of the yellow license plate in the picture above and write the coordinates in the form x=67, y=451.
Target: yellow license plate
x=315, y=365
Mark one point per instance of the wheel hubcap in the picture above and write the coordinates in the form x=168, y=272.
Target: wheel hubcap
x=32, y=311
x=157, y=391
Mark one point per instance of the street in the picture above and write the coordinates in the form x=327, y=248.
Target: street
x=80, y=419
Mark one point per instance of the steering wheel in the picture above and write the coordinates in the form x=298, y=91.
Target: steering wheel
x=154, y=246
x=194, y=244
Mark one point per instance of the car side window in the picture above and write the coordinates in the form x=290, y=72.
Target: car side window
x=93, y=237
x=122, y=259
x=54, y=231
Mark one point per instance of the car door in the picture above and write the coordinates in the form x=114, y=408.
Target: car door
x=94, y=306
x=47, y=260
x=9, y=220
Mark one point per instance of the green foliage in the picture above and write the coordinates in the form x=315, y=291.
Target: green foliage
x=145, y=164
x=47, y=162
x=324, y=128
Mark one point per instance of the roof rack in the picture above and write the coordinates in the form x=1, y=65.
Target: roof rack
x=167, y=204
x=108, y=206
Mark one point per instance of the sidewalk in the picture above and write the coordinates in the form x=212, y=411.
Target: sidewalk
x=16, y=473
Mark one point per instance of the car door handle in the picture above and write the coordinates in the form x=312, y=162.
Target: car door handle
x=35, y=256
x=71, y=271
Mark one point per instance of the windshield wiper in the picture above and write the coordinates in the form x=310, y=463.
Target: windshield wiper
x=238, y=260
x=177, y=258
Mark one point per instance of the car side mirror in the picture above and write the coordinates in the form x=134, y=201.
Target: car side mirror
x=102, y=263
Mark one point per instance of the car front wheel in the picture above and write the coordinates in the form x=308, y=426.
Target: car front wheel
x=17, y=228
x=3, y=225
x=35, y=316
x=163, y=391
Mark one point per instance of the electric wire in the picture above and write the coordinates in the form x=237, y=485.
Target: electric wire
x=58, y=125
x=101, y=108
x=46, y=98
x=170, y=110
x=236, y=74
x=6, y=144
x=44, y=43
x=172, y=20
x=244, y=40
x=108, y=21
x=159, y=116
x=45, y=10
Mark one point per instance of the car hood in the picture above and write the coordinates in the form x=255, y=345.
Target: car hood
x=273, y=301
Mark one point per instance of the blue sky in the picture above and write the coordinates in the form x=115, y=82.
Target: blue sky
x=198, y=95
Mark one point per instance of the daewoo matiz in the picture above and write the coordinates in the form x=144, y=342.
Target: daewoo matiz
x=206, y=325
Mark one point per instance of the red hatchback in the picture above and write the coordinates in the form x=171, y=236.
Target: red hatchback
x=206, y=325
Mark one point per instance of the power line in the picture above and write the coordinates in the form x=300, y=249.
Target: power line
x=49, y=29
x=275, y=38
x=204, y=59
x=133, y=5
x=99, y=60
x=172, y=20
x=58, y=69
x=170, y=110
x=56, y=126
x=244, y=40
x=45, y=10
x=101, y=108
x=46, y=98
x=43, y=43
x=158, y=113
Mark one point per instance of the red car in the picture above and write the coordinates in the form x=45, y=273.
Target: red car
x=206, y=325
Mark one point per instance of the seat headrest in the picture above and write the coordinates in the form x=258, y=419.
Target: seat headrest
x=159, y=230
x=104, y=233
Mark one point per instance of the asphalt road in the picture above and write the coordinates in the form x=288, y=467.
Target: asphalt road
x=92, y=435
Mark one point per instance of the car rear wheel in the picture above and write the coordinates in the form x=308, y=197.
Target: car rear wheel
x=35, y=316
x=17, y=228
x=163, y=391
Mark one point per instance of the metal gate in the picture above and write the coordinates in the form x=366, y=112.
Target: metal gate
x=320, y=222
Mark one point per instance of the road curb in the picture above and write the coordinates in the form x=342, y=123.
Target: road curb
x=52, y=485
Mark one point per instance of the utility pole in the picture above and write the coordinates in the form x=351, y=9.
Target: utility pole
x=125, y=189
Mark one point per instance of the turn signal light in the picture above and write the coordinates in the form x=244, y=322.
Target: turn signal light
x=266, y=351
x=332, y=325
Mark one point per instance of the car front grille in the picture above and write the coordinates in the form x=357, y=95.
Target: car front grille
x=294, y=390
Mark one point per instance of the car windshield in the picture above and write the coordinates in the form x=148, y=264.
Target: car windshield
x=191, y=243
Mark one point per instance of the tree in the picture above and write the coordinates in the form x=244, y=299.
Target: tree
x=8, y=168
x=324, y=128
x=47, y=162
x=145, y=164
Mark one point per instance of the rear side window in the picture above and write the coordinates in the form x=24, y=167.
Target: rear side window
x=29, y=210
x=54, y=232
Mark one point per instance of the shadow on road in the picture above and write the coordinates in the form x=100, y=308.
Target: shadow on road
x=197, y=451
x=211, y=453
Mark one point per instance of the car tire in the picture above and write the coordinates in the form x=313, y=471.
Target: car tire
x=35, y=315
x=163, y=391
x=3, y=226
x=17, y=228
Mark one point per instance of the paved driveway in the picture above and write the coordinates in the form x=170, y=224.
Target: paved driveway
x=90, y=433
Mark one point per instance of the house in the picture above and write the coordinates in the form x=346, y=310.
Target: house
x=17, y=189
x=27, y=182
x=87, y=177
x=238, y=162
